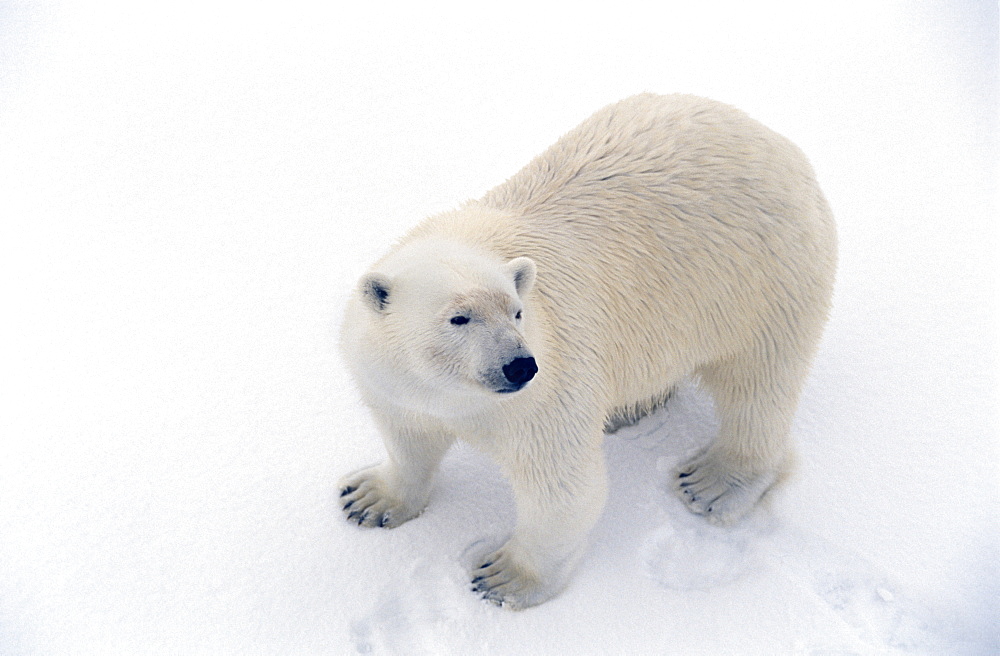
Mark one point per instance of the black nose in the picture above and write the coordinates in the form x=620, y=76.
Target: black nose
x=520, y=370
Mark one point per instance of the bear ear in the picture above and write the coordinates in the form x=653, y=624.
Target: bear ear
x=375, y=289
x=522, y=270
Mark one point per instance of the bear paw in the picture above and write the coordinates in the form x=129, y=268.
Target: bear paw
x=504, y=581
x=369, y=500
x=719, y=491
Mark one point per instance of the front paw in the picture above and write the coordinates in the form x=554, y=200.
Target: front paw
x=368, y=499
x=719, y=491
x=506, y=580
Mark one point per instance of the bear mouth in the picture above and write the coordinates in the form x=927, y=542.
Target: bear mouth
x=511, y=389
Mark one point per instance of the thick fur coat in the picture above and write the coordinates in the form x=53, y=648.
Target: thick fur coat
x=665, y=237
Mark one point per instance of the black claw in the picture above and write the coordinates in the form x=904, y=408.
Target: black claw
x=382, y=520
x=349, y=504
x=477, y=579
x=347, y=490
x=685, y=474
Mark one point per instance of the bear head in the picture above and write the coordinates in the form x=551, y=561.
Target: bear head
x=442, y=322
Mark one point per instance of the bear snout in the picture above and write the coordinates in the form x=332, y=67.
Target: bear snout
x=520, y=370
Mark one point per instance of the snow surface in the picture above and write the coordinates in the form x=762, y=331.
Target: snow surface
x=188, y=193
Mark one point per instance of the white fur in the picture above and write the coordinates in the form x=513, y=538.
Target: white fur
x=666, y=236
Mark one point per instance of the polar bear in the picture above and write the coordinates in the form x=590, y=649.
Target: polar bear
x=665, y=237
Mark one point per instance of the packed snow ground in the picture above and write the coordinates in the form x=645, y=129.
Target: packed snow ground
x=188, y=194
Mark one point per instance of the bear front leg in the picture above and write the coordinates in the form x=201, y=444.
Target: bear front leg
x=559, y=499
x=753, y=452
x=397, y=490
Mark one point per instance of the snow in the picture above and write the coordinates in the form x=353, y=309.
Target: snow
x=189, y=192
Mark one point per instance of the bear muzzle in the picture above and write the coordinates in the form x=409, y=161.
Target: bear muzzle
x=518, y=372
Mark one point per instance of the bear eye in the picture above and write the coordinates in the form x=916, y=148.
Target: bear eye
x=459, y=320
x=518, y=315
